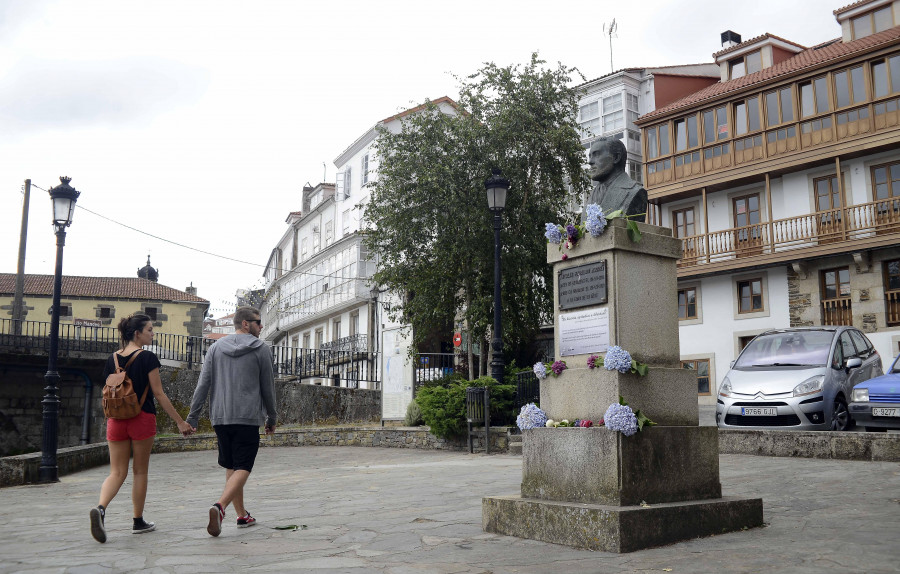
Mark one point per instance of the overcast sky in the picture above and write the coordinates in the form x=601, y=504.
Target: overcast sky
x=199, y=122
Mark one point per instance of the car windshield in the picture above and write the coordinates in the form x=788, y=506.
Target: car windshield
x=807, y=348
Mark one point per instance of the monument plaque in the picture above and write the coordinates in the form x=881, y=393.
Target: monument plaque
x=582, y=332
x=582, y=286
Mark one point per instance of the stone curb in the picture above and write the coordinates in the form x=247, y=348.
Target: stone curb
x=881, y=447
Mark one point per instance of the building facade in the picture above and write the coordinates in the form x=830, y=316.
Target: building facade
x=782, y=180
x=318, y=290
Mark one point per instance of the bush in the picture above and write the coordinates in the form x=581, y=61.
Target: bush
x=444, y=407
x=413, y=415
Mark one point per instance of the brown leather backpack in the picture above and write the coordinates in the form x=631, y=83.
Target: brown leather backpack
x=119, y=399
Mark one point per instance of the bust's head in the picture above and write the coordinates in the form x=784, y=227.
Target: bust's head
x=606, y=158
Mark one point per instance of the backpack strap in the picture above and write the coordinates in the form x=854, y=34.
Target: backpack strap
x=128, y=364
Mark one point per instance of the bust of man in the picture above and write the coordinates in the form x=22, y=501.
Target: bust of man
x=613, y=189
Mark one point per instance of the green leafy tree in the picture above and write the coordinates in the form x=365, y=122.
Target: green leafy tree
x=431, y=232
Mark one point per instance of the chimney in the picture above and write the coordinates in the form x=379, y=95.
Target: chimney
x=191, y=290
x=730, y=39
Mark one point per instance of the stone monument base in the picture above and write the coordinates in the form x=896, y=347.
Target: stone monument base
x=617, y=528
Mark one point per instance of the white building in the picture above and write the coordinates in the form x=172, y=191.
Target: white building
x=318, y=293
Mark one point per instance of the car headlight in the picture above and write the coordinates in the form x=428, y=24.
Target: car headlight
x=725, y=389
x=859, y=396
x=810, y=386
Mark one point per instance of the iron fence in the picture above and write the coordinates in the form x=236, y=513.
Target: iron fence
x=347, y=366
x=528, y=389
x=432, y=366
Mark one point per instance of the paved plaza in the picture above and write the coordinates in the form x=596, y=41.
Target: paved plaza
x=400, y=511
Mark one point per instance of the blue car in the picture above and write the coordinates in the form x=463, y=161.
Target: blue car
x=875, y=404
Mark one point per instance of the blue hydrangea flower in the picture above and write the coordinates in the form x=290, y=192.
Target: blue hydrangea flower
x=617, y=359
x=531, y=416
x=621, y=418
x=552, y=233
x=595, y=220
x=540, y=370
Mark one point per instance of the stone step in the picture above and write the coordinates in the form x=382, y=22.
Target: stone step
x=515, y=448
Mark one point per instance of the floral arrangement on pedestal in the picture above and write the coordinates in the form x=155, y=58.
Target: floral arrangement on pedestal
x=620, y=417
x=542, y=370
x=595, y=222
x=618, y=359
x=531, y=416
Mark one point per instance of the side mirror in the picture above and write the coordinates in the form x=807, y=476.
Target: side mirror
x=853, y=363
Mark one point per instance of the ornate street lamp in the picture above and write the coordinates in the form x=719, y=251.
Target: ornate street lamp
x=64, y=197
x=496, y=188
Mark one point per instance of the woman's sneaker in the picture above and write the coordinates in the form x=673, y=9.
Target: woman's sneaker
x=216, y=514
x=98, y=530
x=140, y=526
x=245, y=521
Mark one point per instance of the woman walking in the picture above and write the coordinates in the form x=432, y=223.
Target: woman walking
x=133, y=436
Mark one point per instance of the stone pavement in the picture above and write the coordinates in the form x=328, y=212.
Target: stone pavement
x=399, y=511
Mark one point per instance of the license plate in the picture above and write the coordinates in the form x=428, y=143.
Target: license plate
x=759, y=411
x=885, y=412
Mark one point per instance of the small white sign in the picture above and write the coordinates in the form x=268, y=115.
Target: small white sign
x=582, y=332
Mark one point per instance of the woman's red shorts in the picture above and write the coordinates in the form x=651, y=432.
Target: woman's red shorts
x=140, y=427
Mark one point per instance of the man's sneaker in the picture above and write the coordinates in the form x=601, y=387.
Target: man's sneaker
x=245, y=521
x=140, y=526
x=216, y=515
x=98, y=530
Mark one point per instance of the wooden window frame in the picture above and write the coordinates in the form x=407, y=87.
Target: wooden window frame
x=838, y=292
x=870, y=15
x=652, y=134
x=779, y=96
x=892, y=192
x=695, y=367
x=891, y=296
x=762, y=300
x=675, y=226
x=687, y=316
x=851, y=91
x=716, y=136
x=743, y=59
x=817, y=98
x=686, y=121
x=759, y=116
x=893, y=83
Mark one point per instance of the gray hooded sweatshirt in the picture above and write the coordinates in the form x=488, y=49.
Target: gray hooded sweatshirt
x=237, y=375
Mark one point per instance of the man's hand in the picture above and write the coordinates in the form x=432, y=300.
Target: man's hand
x=270, y=429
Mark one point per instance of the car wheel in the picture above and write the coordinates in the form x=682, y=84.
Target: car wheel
x=874, y=429
x=840, y=416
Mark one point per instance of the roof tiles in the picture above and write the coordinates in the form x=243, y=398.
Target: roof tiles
x=98, y=287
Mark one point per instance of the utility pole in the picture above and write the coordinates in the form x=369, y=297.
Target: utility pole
x=610, y=30
x=18, y=310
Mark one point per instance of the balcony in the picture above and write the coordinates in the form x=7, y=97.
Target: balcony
x=853, y=228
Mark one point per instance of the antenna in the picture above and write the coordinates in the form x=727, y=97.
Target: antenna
x=610, y=30
x=324, y=172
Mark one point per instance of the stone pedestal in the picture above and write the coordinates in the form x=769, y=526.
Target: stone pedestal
x=596, y=488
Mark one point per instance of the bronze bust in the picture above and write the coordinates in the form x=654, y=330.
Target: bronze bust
x=613, y=189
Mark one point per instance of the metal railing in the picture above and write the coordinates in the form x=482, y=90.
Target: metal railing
x=528, y=389
x=352, y=343
x=432, y=366
x=350, y=366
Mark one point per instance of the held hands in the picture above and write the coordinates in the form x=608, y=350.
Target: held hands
x=186, y=429
x=270, y=429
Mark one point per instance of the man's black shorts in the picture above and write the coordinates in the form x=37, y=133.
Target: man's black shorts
x=238, y=445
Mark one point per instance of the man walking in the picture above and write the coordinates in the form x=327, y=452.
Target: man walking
x=237, y=376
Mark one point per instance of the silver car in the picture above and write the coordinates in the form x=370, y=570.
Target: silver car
x=798, y=378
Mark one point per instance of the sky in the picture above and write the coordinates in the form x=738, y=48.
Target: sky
x=196, y=124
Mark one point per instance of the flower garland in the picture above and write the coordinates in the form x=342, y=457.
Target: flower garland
x=595, y=222
x=556, y=368
x=618, y=359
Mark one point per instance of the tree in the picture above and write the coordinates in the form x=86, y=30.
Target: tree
x=430, y=230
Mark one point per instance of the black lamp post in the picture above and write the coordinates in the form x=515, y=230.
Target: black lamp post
x=496, y=188
x=64, y=197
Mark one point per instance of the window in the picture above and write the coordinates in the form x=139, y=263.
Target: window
x=750, y=296
x=687, y=303
x=715, y=125
x=65, y=310
x=317, y=238
x=814, y=97
x=683, y=222
x=886, y=180
x=686, y=133
x=836, y=309
x=364, y=169
x=747, y=64
x=320, y=338
x=631, y=101
x=329, y=232
x=306, y=340
x=827, y=193
x=886, y=76
x=746, y=116
x=746, y=210
x=779, y=107
x=634, y=171
x=354, y=324
x=106, y=312
x=849, y=87
x=590, y=120
x=304, y=247
x=872, y=22
x=345, y=219
x=336, y=330
x=702, y=368
x=892, y=291
x=658, y=141
x=151, y=312
x=613, y=115
x=347, y=180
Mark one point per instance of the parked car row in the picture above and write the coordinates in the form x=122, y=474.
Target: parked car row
x=810, y=378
